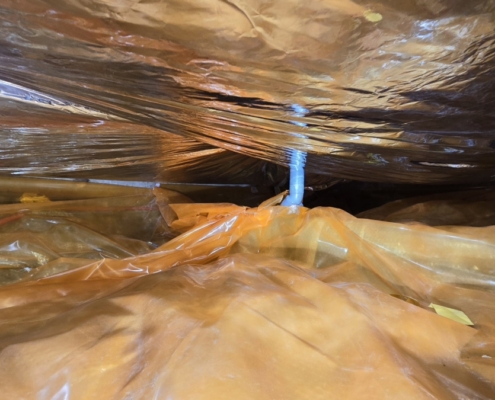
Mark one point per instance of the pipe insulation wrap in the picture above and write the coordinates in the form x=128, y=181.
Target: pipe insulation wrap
x=296, y=188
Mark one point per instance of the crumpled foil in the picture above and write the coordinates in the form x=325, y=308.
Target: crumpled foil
x=375, y=91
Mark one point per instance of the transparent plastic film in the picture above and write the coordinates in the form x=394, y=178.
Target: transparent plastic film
x=392, y=91
x=47, y=138
x=273, y=302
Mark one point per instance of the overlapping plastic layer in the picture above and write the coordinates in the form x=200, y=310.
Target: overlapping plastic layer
x=380, y=91
x=43, y=236
x=267, y=303
x=44, y=137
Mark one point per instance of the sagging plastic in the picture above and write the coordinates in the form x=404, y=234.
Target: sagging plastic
x=44, y=138
x=391, y=91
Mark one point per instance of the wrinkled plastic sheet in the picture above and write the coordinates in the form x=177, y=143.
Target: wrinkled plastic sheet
x=469, y=208
x=54, y=232
x=382, y=91
x=47, y=138
x=264, y=303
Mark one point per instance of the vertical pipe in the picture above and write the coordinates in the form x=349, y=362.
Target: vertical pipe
x=296, y=188
x=297, y=163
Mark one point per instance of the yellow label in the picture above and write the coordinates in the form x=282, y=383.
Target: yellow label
x=452, y=314
x=372, y=16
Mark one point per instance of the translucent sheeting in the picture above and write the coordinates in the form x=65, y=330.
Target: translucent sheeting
x=382, y=91
x=43, y=238
x=471, y=208
x=56, y=140
x=264, y=303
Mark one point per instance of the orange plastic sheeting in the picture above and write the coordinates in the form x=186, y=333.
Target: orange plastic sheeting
x=268, y=303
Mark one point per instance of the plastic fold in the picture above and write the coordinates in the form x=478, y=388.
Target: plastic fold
x=272, y=302
x=46, y=237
